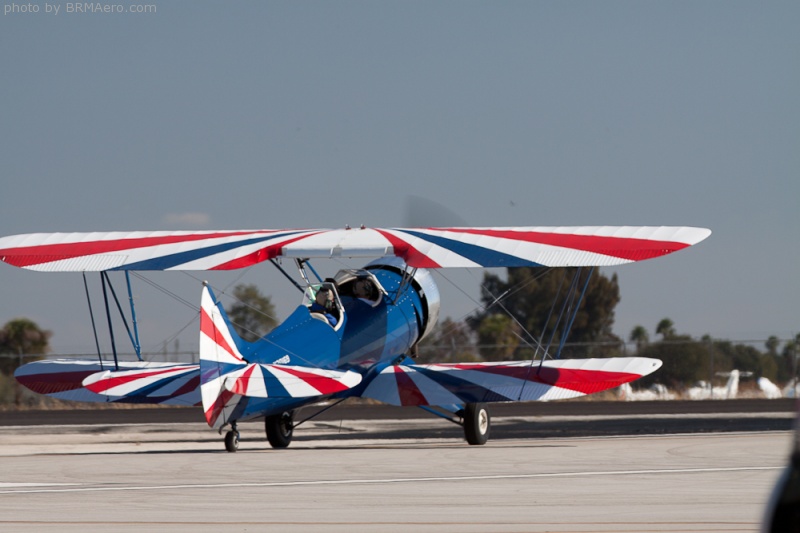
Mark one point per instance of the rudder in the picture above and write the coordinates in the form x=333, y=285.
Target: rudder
x=219, y=355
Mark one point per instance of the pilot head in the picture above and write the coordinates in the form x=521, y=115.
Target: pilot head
x=363, y=288
x=325, y=297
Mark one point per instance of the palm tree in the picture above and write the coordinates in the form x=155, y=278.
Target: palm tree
x=772, y=345
x=640, y=337
x=665, y=328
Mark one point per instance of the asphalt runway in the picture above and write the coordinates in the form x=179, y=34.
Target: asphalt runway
x=345, y=474
x=511, y=420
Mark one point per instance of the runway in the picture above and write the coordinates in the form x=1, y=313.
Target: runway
x=348, y=476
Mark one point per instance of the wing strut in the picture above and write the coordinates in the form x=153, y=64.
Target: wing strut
x=103, y=277
x=94, y=326
x=301, y=266
x=547, y=321
x=282, y=271
x=134, y=336
x=572, y=303
x=408, y=275
x=570, y=306
x=575, y=309
x=134, y=341
x=497, y=300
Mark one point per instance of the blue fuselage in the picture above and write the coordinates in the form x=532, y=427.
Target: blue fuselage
x=371, y=335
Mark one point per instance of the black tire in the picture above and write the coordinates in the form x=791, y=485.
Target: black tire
x=232, y=441
x=279, y=429
x=477, y=423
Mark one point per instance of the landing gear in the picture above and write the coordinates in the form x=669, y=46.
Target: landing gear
x=476, y=423
x=279, y=429
x=232, y=439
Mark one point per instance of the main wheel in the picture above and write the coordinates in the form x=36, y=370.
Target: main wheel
x=476, y=423
x=232, y=441
x=279, y=429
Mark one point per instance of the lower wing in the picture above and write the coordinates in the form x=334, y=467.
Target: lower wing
x=460, y=383
x=131, y=382
x=175, y=384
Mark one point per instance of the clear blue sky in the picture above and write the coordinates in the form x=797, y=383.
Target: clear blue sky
x=233, y=115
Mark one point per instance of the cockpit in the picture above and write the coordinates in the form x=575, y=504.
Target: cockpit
x=324, y=300
x=360, y=284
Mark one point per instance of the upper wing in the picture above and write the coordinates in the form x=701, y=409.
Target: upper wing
x=421, y=247
x=459, y=383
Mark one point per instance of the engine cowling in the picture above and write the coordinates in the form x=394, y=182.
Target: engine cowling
x=423, y=283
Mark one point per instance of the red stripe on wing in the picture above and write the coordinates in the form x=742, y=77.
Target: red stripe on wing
x=629, y=248
x=263, y=254
x=53, y=382
x=408, y=391
x=584, y=381
x=188, y=387
x=410, y=255
x=45, y=253
x=103, y=385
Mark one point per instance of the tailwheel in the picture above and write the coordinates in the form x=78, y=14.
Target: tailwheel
x=232, y=439
x=279, y=429
x=476, y=423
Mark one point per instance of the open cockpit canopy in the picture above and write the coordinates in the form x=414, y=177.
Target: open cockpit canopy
x=359, y=283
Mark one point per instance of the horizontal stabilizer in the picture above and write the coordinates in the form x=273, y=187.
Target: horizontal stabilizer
x=460, y=383
x=418, y=247
x=279, y=381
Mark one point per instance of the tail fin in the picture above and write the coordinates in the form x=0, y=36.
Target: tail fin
x=219, y=355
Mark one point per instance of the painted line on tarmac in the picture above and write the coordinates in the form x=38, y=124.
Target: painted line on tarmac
x=5, y=485
x=387, y=480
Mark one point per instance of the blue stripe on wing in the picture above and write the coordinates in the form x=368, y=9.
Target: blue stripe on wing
x=475, y=253
x=160, y=384
x=466, y=391
x=173, y=260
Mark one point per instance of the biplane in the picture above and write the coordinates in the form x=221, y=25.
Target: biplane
x=354, y=335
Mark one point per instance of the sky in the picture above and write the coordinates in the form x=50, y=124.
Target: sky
x=243, y=115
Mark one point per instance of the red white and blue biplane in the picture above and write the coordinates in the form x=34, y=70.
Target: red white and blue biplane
x=354, y=334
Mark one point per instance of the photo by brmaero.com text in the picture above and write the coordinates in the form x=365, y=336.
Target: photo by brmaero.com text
x=71, y=8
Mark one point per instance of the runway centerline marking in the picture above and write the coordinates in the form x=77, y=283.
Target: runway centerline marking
x=334, y=482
